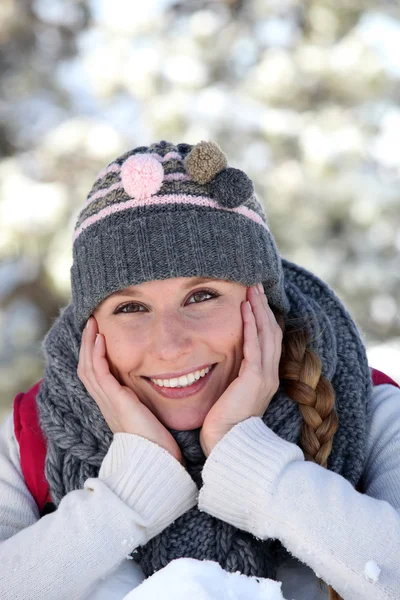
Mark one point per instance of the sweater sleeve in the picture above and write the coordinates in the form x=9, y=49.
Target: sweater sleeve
x=140, y=490
x=260, y=483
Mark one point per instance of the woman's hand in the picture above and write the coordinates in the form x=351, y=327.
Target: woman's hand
x=119, y=405
x=258, y=380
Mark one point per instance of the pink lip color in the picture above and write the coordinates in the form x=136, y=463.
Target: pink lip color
x=190, y=390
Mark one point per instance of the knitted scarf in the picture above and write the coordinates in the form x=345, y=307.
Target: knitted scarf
x=78, y=437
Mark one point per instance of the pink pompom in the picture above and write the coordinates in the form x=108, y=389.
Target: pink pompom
x=142, y=175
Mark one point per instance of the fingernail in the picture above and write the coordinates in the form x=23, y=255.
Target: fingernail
x=97, y=338
x=87, y=323
x=255, y=288
x=260, y=288
x=249, y=305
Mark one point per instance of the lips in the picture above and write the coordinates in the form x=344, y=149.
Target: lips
x=183, y=392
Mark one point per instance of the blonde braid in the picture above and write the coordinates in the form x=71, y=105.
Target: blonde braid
x=300, y=373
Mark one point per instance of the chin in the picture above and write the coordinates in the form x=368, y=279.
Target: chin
x=184, y=422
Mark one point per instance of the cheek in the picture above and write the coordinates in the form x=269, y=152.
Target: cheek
x=124, y=350
x=225, y=329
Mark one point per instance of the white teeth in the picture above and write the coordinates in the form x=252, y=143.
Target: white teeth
x=191, y=378
x=183, y=381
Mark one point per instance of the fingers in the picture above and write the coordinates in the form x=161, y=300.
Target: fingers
x=93, y=368
x=259, y=305
x=101, y=369
x=269, y=333
x=85, y=363
x=251, y=345
x=86, y=368
x=94, y=372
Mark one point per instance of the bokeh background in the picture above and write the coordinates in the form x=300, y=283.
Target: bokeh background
x=304, y=96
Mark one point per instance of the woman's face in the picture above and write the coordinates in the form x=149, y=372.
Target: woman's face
x=163, y=329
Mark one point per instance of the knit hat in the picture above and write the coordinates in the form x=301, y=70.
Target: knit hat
x=171, y=211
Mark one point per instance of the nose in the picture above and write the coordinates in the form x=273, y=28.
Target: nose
x=171, y=337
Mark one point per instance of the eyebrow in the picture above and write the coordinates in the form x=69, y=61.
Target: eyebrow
x=135, y=292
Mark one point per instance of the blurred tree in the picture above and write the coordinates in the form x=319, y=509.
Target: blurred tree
x=302, y=95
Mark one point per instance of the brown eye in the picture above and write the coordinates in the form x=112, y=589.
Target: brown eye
x=200, y=296
x=131, y=305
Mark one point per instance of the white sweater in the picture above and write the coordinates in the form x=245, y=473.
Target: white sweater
x=252, y=479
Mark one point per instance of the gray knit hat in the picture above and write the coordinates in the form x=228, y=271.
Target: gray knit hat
x=171, y=211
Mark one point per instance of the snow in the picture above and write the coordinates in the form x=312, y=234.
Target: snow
x=203, y=580
x=372, y=571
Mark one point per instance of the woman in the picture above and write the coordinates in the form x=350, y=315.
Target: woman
x=202, y=398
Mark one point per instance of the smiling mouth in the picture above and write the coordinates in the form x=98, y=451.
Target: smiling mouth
x=183, y=380
x=183, y=391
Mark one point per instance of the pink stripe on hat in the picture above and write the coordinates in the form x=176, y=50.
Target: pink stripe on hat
x=118, y=185
x=113, y=168
x=167, y=199
x=169, y=156
x=177, y=177
x=103, y=192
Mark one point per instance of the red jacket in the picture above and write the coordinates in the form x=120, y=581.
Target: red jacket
x=33, y=446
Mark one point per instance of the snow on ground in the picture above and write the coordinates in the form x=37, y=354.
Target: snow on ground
x=203, y=580
x=372, y=571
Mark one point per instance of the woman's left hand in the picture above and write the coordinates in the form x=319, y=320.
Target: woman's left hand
x=258, y=380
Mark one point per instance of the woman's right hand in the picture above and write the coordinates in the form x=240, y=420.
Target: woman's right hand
x=119, y=405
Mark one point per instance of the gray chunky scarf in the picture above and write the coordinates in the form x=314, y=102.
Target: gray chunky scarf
x=78, y=437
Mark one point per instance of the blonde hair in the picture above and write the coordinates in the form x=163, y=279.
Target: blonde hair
x=300, y=373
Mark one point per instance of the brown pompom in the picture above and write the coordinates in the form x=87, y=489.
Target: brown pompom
x=204, y=161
